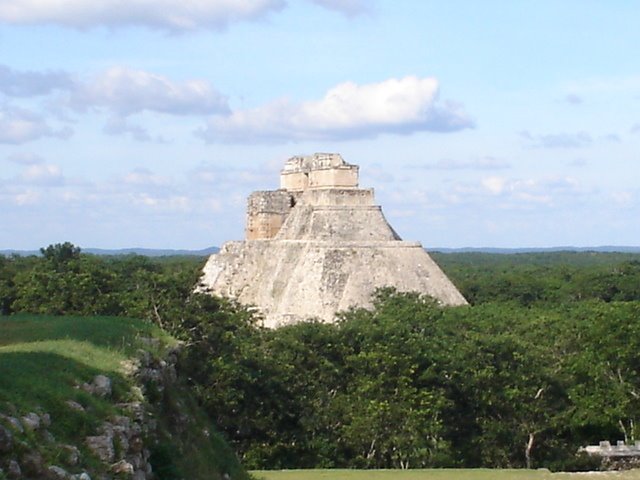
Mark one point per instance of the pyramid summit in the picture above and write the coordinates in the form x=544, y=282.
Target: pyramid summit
x=317, y=246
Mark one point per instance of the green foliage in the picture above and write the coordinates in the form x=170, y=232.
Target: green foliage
x=408, y=384
x=436, y=474
x=544, y=361
x=65, y=281
x=163, y=462
x=529, y=278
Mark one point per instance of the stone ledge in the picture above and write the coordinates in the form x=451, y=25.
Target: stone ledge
x=333, y=244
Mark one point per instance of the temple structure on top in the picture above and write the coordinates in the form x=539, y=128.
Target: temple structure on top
x=319, y=245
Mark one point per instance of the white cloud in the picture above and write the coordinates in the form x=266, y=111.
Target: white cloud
x=25, y=158
x=622, y=198
x=168, y=15
x=165, y=15
x=621, y=84
x=18, y=126
x=573, y=99
x=120, y=126
x=612, y=137
x=28, y=197
x=144, y=177
x=347, y=111
x=348, y=7
x=494, y=185
x=126, y=91
x=495, y=192
x=43, y=174
x=29, y=84
x=482, y=163
x=578, y=162
x=172, y=203
x=558, y=140
x=518, y=193
x=225, y=178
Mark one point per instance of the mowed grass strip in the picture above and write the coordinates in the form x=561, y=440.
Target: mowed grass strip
x=44, y=360
x=439, y=474
x=109, y=332
x=105, y=360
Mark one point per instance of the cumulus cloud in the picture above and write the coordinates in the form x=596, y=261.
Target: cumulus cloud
x=27, y=197
x=120, y=126
x=557, y=140
x=42, y=174
x=29, y=84
x=25, y=158
x=573, y=99
x=612, y=137
x=522, y=192
x=227, y=178
x=18, y=126
x=126, y=91
x=494, y=185
x=145, y=178
x=347, y=111
x=167, y=15
x=349, y=8
x=483, y=163
x=577, y=162
x=622, y=198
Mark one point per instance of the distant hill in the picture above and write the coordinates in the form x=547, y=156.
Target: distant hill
x=147, y=252
x=153, y=252
x=600, y=249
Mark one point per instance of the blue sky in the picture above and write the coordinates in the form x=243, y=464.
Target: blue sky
x=147, y=123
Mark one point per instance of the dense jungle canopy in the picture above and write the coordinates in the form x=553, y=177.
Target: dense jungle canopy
x=544, y=360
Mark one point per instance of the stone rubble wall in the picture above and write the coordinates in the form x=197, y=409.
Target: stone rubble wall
x=120, y=444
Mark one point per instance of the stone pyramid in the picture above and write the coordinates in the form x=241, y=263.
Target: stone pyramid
x=317, y=246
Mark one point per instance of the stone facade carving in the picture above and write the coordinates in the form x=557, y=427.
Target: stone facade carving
x=319, y=245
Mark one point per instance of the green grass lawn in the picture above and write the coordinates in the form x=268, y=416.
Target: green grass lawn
x=44, y=359
x=442, y=474
x=113, y=333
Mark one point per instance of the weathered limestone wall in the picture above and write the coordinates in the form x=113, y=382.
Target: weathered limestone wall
x=334, y=177
x=317, y=246
x=293, y=280
x=337, y=223
x=321, y=170
x=294, y=181
x=266, y=212
x=338, y=196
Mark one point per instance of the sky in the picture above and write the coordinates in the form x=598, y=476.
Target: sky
x=146, y=123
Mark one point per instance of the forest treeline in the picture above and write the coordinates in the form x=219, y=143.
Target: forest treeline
x=545, y=359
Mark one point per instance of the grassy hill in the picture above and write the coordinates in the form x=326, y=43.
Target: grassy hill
x=49, y=367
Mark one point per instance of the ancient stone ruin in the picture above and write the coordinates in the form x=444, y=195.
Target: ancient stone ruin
x=615, y=457
x=319, y=245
